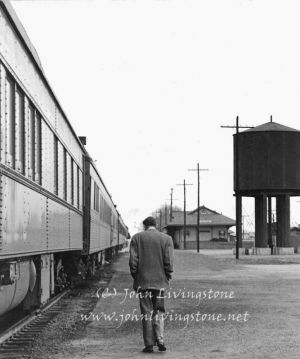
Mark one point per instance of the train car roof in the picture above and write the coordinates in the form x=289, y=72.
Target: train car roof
x=21, y=32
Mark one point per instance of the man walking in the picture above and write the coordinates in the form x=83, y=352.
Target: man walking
x=151, y=265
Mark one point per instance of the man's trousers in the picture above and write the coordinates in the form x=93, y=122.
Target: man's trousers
x=152, y=310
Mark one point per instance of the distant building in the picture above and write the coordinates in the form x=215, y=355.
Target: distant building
x=295, y=231
x=213, y=227
x=295, y=237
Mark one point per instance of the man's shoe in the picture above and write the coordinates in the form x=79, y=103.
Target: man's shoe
x=161, y=346
x=148, y=349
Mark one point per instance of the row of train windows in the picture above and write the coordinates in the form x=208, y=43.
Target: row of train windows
x=100, y=205
x=20, y=148
x=33, y=150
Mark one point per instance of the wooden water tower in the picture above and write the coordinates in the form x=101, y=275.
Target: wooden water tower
x=269, y=166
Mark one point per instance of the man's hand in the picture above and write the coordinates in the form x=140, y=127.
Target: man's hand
x=168, y=276
x=134, y=275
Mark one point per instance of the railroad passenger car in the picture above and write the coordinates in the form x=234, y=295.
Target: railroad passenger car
x=56, y=215
x=104, y=228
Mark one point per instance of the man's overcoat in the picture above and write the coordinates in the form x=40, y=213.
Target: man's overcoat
x=151, y=259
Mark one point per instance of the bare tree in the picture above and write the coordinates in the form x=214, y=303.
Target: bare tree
x=162, y=214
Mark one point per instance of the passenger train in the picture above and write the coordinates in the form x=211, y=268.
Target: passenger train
x=57, y=218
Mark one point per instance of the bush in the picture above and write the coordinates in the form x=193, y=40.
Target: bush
x=219, y=240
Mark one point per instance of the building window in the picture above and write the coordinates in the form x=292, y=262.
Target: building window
x=221, y=234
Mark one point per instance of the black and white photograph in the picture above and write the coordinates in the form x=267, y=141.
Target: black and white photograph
x=149, y=179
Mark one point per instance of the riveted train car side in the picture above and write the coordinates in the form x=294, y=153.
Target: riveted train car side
x=104, y=230
x=55, y=212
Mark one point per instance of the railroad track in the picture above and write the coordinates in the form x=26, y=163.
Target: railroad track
x=15, y=340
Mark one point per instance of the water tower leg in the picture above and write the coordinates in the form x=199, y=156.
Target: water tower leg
x=283, y=220
x=261, y=228
x=270, y=242
x=238, y=215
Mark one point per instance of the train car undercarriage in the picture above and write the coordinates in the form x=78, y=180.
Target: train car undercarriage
x=30, y=282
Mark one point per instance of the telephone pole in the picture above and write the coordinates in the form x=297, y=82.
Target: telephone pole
x=238, y=197
x=171, y=199
x=171, y=206
x=198, y=208
x=158, y=215
x=166, y=214
x=184, y=210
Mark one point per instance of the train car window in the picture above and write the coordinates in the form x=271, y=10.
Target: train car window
x=10, y=121
x=72, y=181
x=107, y=213
x=38, y=148
x=19, y=131
x=96, y=198
x=55, y=162
x=101, y=208
x=92, y=196
x=69, y=177
x=31, y=142
x=65, y=174
x=75, y=184
x=61, y=172
x=80, y=189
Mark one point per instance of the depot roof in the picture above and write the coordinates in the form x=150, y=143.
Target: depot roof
x=208, y=217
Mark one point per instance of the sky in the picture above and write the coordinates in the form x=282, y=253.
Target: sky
x=150, y=82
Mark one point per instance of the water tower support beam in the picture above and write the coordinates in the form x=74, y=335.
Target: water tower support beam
x=270, y=240
x=238, y=214
x=261, y=228
x=283, y=220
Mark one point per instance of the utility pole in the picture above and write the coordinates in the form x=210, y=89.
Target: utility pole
x=158, y=215
x=243, y=225
x=198, y=208
x=184, y=210
x=171, y=206
x=171, y=199
x=166, y=215
x=238, y=197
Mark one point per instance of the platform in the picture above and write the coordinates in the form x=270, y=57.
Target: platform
x=267, y=292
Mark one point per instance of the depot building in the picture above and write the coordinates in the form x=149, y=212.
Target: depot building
x=214, y=226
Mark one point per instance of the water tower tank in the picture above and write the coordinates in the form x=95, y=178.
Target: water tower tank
x=269, y=159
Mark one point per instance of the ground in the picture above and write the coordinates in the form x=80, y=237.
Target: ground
x=256, y=316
